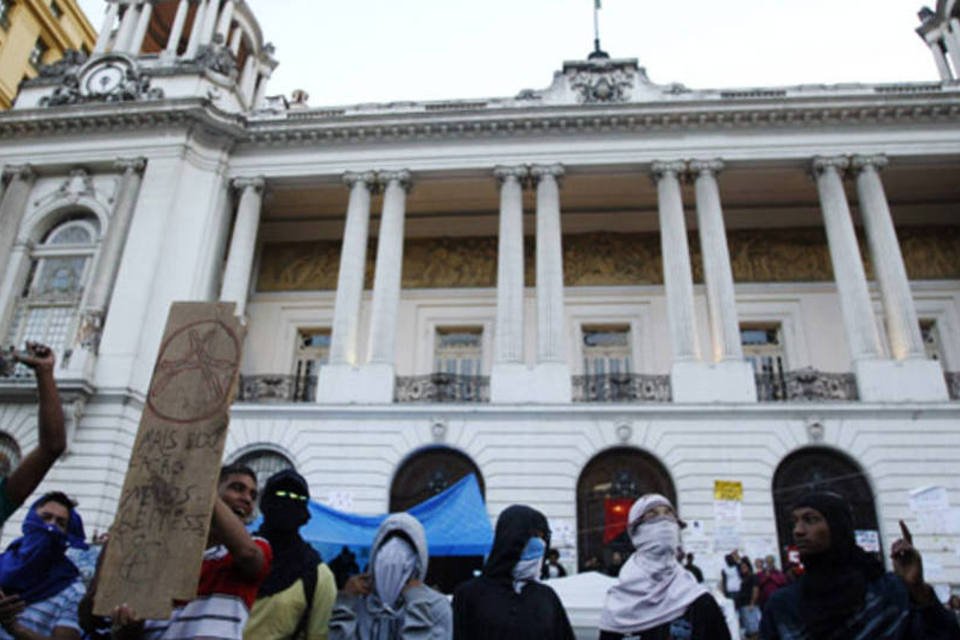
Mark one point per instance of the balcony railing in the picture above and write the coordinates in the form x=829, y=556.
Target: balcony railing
x=806, y=385
x=277, y=388
x=442, y=387
x=621, y=387
x=953, y=384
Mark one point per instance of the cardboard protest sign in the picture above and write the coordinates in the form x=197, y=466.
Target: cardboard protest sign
x=163, y=517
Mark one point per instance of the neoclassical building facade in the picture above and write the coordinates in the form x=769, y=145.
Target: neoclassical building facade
x=580, y=294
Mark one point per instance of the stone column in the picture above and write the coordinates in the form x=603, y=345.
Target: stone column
x=236, y=275
x=353, y=263
x=20, y=179
x=717, y=273
x=549, y=263
x=508, y=342
x=388, y=274
x=210, y=22
x=196, y=28
x=855, y=305
x=223, y=24
x=127, y=25
x=935, y=42
x=111, y=249
x=176, y=30
x=146, y=10
x=235, y=38
x=951, y=38
x=677, y=275
x=103, y=39
x=903, y=328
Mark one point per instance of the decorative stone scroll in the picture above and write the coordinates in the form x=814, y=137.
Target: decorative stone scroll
x=163, y=517
x=608, y=259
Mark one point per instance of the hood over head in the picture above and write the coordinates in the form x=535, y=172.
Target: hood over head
x=408, y=527
x=515, y=526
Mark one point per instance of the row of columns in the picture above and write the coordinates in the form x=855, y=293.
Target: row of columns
x=720, y=376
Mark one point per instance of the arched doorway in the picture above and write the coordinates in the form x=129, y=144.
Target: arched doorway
x=822, y=469
x=608, y=485
x=265, y=462
x=422, y=475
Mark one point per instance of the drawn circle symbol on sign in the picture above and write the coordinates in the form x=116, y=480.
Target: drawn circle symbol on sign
x=194, y=373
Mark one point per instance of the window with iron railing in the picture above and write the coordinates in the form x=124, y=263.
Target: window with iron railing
x=458, y=351
x=4, y=13
x=606, y=350
x=39, y=50
x=763, y=348
x=56, y=10
x=931, y=340
x=313, y=351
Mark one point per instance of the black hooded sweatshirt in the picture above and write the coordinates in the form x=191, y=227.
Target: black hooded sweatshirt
x=488, y=608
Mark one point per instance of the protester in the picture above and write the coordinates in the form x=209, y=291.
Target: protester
x=507, y=602
x=692, y=568
x=769, y=581
x=552, y=567
x=41, y=588
x=747, y=600
x=343, y=566
x=730, y=576
x=52, y=439
x=391, y=602
x=297, y=596
x=844, y=592
x=235, y=564
x=655, y=596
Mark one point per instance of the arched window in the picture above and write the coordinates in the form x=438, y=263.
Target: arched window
x=822, y=469
x=422, y=476
x=427, y=473
x=608, y=486
x=9, y=455
x=265, y=463
x=59, y=271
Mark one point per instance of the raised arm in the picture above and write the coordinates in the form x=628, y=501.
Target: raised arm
x=52, y=438
x=228, y=529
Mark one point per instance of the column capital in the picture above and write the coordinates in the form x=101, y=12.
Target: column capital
x=504, y=173
x=837, y=164
x=130, y=165
x=21, y=171
x=660, y=169
x=401, y=176
x=368, y=178
x=257, y=183
x=540, y=171
x=876, y=162
x=713, y=166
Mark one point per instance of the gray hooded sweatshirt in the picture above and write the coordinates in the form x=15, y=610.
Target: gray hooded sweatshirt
x=423, y=614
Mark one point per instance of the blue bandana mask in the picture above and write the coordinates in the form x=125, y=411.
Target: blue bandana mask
x=528, y=567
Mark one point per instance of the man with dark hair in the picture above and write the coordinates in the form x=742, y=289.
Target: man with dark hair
x=41, y=587
x=234, y=565
x=844, y=592
x=52, y=439
x=297, y=597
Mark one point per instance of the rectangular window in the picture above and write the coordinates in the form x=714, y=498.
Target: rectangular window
x=36, y=54
x=4, y=13
x=313, y=351
x=606, y=350
x=763, y=348
x=458, y=351
x=931, y=339
x=56, y=10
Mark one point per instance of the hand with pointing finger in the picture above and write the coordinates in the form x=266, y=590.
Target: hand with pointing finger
x=908, y=564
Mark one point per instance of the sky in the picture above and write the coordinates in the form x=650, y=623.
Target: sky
x=357, y=51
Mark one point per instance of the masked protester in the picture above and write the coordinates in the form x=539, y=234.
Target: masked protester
x=391, y=602
x=844, y=592
x=508, y=602
x=41, y=588
x=656, y=598
x=296, y=598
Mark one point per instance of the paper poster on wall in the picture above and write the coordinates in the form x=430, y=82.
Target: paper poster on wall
x=727, y=511
x=726, y=539
x=695, y=529
x=728, y=490
x=759, y=547
x=562, y=533
x=868, y=540
x=340, y=500
x=925, y=499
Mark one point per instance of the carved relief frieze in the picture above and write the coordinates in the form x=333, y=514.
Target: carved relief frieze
x=606, y=259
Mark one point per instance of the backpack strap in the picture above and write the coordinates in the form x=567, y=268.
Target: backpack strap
x=309, y=578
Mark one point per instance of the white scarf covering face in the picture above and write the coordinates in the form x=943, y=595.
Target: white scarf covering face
x=395, y=563
x=653, y=588
x=529, y=565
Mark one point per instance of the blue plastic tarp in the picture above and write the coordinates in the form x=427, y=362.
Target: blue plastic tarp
x=455, y=520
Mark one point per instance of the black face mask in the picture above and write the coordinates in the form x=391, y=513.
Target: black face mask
x=283, y=513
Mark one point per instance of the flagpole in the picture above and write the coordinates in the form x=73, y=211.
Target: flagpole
x=596, y=25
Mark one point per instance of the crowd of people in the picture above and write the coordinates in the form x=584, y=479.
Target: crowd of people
x=272, y=583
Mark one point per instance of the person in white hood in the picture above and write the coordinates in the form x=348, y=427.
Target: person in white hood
x=390, y=602
x=656, y=598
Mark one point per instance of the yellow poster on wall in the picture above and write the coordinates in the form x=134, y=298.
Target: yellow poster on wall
x=727, y=490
